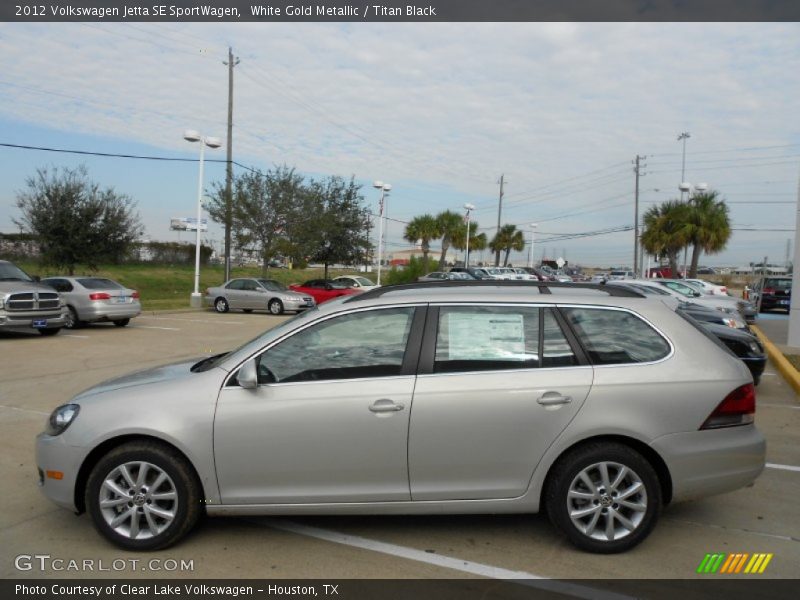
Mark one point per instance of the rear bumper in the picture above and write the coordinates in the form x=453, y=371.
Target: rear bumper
x=110, y=312
x=756, y=366
x=704, y=463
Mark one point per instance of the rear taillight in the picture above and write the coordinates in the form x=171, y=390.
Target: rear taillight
x=99, y=296
x=737, y=408
x=135, y=295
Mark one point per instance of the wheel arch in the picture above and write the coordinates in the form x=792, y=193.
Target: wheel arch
x=653, y=457
x=107, y=446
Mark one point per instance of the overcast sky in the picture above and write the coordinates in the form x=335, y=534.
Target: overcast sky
x=440, y=111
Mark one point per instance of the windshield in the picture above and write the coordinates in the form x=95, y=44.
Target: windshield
x=272, y=285
x=10, y=272
x=98, y=283
x=364, y=281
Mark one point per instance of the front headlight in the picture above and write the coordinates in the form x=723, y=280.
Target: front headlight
x=61, y=418
x=2, y=302
x=726, y=310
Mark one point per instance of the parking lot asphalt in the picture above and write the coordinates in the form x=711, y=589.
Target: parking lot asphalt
x=38, y=374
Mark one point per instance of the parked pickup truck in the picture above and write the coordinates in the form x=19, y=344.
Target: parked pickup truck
x=26, y=304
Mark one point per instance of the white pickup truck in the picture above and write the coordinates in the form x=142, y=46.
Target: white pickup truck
x=26, y=304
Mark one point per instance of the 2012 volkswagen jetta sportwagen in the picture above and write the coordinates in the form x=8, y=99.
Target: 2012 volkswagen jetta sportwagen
x=594, y=402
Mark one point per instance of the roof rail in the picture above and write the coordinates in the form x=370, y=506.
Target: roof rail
x=543, y=286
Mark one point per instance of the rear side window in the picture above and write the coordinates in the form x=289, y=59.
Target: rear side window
x=614, y=337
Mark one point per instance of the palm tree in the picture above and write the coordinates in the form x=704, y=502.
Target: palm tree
x=449, y=224
x=708, y=227
x=423, y=229
x=507, y=239
x=477, y=241
x=665, y=231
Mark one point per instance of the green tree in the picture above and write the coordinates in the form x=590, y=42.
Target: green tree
x=75, y=221
x=507, y=239
x=665, y=231
x=477, y=241
x=338, y=231
x=707, y=227
x=450, y=223
x=263, y=204
x=423, y=229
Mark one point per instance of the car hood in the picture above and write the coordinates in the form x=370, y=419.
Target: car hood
x=141, y=378
x=17, y=286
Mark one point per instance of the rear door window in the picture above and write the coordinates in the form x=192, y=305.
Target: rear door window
x=614, y=337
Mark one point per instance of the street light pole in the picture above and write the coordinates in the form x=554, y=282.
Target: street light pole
x=530, y=250
x=385, y=188
x=469, y=207
x=196, y=300
x=684, y=136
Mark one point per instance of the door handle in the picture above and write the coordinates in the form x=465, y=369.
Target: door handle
x=553, y=399
x=385, y=405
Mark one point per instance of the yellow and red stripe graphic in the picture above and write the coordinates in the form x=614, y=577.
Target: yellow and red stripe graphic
x=735, y=563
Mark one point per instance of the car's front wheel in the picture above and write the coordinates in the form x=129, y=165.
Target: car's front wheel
x=275, y=307
x=143, y=496
x=605, y=497
x=122, y=322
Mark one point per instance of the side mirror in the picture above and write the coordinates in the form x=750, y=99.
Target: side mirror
x=248, y=375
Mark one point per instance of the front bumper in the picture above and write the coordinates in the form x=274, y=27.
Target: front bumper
x=26, y=320
x=56, y=456
x=704, y=463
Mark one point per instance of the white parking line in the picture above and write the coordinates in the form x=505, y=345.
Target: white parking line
x=25, y=410
x=194, y=320
x=83, y=337
x=152, y=327
x=783, y=467
x=448, y=562
x=779, y=405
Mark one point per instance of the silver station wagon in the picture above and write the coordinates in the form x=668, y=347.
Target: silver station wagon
x=595, y=403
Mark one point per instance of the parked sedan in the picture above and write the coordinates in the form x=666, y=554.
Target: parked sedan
x=323, y=290
x=356, y=281
x=777, y=293
x=249, y=294
x=693, y=294
x=446, y=276
x=96, y=299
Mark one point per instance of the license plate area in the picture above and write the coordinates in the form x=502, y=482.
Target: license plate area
x=39, y=323
x=121, y=299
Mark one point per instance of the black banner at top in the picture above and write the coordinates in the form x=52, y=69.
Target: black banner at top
x=232, y=11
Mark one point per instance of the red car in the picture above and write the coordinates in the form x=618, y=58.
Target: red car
x=322, y=289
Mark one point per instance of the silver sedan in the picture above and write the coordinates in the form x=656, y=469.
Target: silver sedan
x=249, y=294
x=96, y=299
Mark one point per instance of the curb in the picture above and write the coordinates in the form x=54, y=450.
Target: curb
x=785, y=368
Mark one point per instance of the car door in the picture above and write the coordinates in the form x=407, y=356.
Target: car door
x=496, y=386
x=252, y=296
x=328, y=421
x=235, y=294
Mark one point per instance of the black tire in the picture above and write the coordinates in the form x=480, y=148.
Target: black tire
x=121, y=322
x=187, y=507
x=275, y=307
x=564, y=476
x=73, y=322
x=51, y=331
x=221, y=305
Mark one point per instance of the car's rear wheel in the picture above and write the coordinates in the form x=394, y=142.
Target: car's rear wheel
x=221, y=305
x=143, y=496
x=121, y=322
x=275, y=306
x=72, y=320
x=605, y=497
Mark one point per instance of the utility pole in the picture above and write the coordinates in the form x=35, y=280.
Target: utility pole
x=794, y=308
x=231, y=62
x=637, y=171
x=499, y=212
